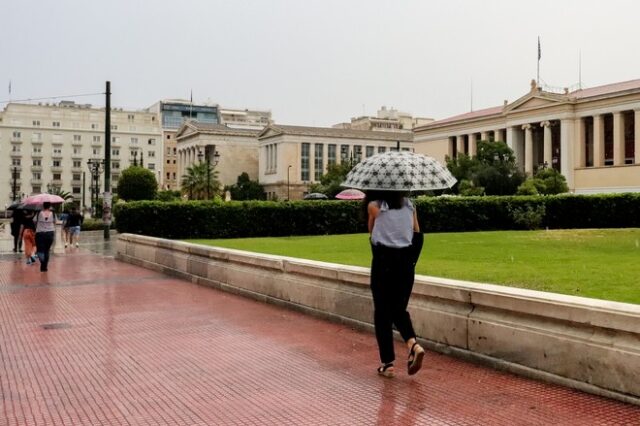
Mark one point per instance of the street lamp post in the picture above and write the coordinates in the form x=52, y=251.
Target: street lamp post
x=288, y=194
x=15, y=186
x=96, y=166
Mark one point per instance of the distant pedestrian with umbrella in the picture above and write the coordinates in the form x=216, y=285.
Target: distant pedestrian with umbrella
x=16, y=220
x=28, y=233
x=396, y=242
x=45, y=221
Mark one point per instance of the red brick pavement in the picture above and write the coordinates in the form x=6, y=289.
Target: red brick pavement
x=128, y=346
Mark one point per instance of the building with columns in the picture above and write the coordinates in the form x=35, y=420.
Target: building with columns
x=592, y=136
x=235, y=150
x=292, y=157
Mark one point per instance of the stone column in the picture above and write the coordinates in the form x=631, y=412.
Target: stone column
x=567, y=132
x=484, y=136
x=582, y=143
x=528, y=149
x=497, y=135
x=472, y=145
x=460, y=142
x=636, y=135
x=598, y=140
x=547, y=150
x=618, y=139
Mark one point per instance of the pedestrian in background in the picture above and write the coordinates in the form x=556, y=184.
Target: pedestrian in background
x=392, y=223
x=45, y=221
x=16, y=221
x=73, y=224
x=28, y=232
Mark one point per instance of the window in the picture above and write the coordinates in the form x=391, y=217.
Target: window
x=76, y=176
x=36, y=175
x=370, y=151
x=96, y=138
x=115, y=139
x=77, y=138
x=131, y=117
x=151, y=141
x=318, y=161
x=344, y=153
x=15, y=161
x=357, y=153
x=331, y=154
x=77, y=164
x=56, y=163
x=174, y=175
x=382, y=149
x=168, y=151
x=36, y=137
x=36, y=189
x=151, y=154
x=151, y=166
x=37, y=150
x=37, y=162
x=96, y=151
x=115, y=152
x=134, y=141
x=304, y=162
x=36, y=123
x=115, y=165
x=55, y=124
x=16, y=134
x=77, y=150
x=15, y=148
x=168, y=175
x=57, y=151
x=175, y=151
x=94, y=126
x=57, y=176
x=168, y=136
x=174, y=161
x=75, y=190
x=114, y=127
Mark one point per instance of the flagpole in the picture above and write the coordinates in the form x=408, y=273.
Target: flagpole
x=539, y=56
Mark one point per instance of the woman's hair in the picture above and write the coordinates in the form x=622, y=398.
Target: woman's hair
x=46, y=205
x=394, y=199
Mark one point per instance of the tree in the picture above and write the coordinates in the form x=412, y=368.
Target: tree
x=330, y=182
x=137, y=183
x=493, y=168
x=168, y=195
x=198, y=177
x=246, y=189
x=553, y=182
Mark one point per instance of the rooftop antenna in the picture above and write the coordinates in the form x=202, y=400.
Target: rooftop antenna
x=471, y=93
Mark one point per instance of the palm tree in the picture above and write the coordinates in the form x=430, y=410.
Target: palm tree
x=198, y=177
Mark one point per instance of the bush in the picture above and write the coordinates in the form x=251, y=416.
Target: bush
x=215, y=219
x=137, y=183
x=91, y=224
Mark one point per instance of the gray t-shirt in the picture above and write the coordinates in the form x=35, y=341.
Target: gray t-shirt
x=393, y=227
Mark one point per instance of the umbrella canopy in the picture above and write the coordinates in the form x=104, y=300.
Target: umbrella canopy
x=350, y=194
x=43, y=198
x=32, y=207
x=315, y=196
x=14, y=206
x=399, y=171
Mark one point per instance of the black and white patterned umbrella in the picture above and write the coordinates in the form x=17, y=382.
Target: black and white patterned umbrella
x=399, y=171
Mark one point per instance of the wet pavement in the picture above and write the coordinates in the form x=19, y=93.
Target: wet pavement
x=98, y=342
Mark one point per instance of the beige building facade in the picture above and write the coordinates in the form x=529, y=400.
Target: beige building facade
x=235, y=150
x=245, y=118
x=386, y=120
x=292, y=157
x=48, y=146
x=592, y=136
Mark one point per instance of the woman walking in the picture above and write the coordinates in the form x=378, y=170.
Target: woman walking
x=45, y=227
x=28, y=232
x=392, y=222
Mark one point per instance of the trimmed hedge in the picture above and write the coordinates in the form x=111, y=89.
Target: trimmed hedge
x=210, y=219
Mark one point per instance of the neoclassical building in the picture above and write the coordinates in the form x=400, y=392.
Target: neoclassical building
x=234, y=150
x=592, y=136
x=292, y=157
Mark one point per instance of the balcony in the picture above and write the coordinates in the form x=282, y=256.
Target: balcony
x=56, y=182
x=16, y=153
x=36, y=168
x=15, y=140
x=36, y=181
x=96, y=144
x=56, y=169
x=36, y=142
x=36, y=155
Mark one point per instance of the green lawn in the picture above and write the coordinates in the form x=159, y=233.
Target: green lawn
x=597, y=263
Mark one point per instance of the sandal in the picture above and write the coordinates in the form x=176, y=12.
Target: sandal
x=387, y=370
x=415, y=359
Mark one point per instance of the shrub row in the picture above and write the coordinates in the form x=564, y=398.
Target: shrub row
x=209, y=219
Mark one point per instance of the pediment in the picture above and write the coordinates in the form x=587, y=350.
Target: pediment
x=269, y=131
x=185, y=130
x=535, y=101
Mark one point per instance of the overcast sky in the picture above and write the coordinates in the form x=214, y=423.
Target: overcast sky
x=313, y=62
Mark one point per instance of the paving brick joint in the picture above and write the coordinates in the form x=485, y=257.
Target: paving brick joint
x=98, y=342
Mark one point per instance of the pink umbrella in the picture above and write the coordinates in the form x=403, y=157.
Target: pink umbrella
x=350, y=194
x=43, y=198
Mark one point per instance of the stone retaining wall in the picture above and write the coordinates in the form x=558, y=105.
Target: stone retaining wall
x=589, y=344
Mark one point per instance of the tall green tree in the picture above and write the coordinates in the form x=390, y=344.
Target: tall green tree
x=246, y=189
x=197, y=178
x=494, y=169
x=137, y=183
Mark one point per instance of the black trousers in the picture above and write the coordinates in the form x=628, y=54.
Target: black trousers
x=17, y=241
x=392, y=277
x=44, y=240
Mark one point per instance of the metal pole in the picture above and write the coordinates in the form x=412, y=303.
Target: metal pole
x=288, y=193
x=106, y=201
x=208, y=176
x=84, y=191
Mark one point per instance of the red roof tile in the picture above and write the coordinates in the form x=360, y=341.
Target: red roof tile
x=606, y=89
x=469, y=115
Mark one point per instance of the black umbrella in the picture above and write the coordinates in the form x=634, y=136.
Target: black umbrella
x=315, y=196
x=31, y=207
x=13, y=206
